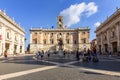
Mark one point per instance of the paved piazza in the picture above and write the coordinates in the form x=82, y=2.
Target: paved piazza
x=57, y=68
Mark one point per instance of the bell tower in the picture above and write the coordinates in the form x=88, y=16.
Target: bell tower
x=60, y=22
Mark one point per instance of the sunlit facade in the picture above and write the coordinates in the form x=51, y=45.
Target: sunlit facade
x=11, y=35
x=47, y=39
x=108, y=34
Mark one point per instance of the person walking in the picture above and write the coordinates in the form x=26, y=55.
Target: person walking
x=48, y=53
x=89, y=55
x=64, y=52
x=5, y=54
x=77, y=55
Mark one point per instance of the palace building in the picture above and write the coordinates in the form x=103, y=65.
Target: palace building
x=108, y=34
x=11, y=35
x=47, y=39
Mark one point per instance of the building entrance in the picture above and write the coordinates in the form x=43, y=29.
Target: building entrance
x=106, y=48
x=114, y=46
x=7, y=45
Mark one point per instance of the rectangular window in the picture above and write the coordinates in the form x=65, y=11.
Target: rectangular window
x=84, y=40
x=113, y=34
x=75, y=42
x=44, y=41
x=83, y=32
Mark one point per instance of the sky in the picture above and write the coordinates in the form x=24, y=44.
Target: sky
x=43, y=13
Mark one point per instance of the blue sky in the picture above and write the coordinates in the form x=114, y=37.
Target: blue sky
x=43, y=13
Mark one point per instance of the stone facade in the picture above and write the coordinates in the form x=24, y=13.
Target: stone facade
x=11, y=35
x=108, y=34
x=47, y=39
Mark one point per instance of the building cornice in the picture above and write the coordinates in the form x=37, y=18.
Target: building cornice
x=3, y=15
x=109, y=19
x=59, y=30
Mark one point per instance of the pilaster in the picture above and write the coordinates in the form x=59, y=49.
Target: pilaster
x=102, y=46
x=108, y=41
x=18, y=46
x=64, y=38
x=48, y=39
x=71, y=38
x=118, y=35
x=55, y=39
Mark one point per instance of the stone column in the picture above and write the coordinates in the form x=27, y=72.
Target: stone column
x=12, y=43
x=102, y=46
x=48, y=41
x=64, y=38
x=108, y=40
x=23, y=45
x=55, y=38
x=118, y=35
x=18, y=46
x=71, y=38
x=3, y=38
x=41, y=40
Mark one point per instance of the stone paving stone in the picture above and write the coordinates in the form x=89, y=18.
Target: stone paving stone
x=65, y=73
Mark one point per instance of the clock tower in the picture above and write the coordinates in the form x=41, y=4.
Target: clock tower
x=60, y=22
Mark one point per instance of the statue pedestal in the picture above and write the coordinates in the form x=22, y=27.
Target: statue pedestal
x=60, y=53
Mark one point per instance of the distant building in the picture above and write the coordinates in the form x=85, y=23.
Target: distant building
x=47, y=39
x=11, y=35
x=108, y=34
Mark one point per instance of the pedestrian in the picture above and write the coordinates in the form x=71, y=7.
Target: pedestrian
x=5, y=54
x=77, y=55
x=48, y=53
x=42, y=54
x=110, y=54
x=64, y=53
x=89, y=55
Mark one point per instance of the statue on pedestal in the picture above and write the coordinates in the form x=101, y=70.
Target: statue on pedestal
x=60, y=44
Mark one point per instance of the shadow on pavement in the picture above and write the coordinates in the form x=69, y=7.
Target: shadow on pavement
x=26, y=60
x=101, y=65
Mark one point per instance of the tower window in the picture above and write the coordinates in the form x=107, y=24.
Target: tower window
x=84, y=40
x=35, y=33
x=60, y=25
x=35, y=41
x=60, y=20
x=83, y=32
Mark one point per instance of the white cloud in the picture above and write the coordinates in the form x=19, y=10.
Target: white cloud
x=73, y=14
x=97, y=24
